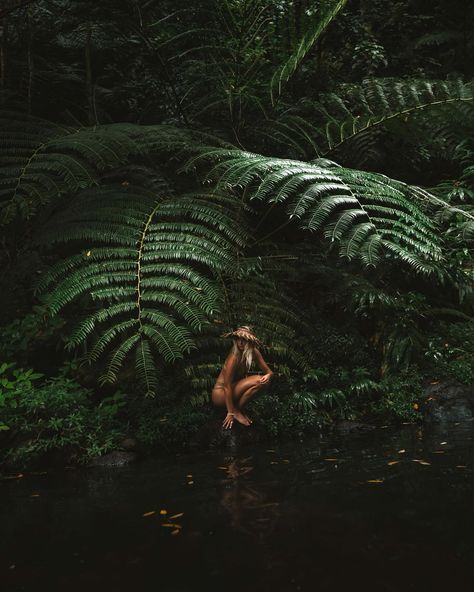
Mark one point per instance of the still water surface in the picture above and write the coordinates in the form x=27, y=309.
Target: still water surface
x=390, y=511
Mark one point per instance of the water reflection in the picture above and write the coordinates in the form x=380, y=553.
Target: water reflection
x=248, y=506
x=389, y=510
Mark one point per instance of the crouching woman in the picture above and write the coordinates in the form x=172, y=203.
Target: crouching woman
x=234, y=387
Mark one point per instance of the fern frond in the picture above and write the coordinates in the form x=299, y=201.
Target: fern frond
x=326, y=12
x=148, y=261
x=367, y=214
x=356, y=114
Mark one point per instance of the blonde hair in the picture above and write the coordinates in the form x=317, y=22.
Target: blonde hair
x=246, y=355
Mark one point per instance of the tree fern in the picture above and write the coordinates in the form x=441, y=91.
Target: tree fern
x=144, y=270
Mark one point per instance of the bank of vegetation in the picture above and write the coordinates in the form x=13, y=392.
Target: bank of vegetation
x=170, y=171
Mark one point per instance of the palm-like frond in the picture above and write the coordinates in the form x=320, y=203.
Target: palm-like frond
x=145, y=269
x=367, y=214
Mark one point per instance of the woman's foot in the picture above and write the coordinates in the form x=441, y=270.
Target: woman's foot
x=247, y=417
x=241, y=418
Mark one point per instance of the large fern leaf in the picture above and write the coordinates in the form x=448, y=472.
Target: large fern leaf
x=367, y=214
x=144, y=269
x=356, y=112
x=41, y=161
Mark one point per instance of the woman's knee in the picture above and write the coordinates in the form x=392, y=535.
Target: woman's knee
x=217, y=397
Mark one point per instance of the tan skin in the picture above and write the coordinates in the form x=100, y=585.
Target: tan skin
x=234, y=393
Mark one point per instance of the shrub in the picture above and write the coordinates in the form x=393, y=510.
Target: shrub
x=57, y=416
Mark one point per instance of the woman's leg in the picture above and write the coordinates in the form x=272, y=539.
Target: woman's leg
x=218, y=399
x=246, y=389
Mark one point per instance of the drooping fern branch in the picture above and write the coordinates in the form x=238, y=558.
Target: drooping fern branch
x=355, y=111
x=368, y=215
x=324, y=15
x=41, y=161
x=144, y=267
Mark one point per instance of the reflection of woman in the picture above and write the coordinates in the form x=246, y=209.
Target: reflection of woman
x=234, y=388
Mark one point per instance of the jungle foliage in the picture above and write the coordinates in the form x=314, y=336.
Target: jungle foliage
x=168, y=171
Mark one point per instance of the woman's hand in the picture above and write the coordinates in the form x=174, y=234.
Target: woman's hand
x=228, y=421
x=266, y=378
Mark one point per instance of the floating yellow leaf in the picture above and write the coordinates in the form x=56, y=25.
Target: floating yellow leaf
x=375, y=481
x=149, y=513
x=461, y=466
x=415, y=406
x=269, y=450
x=35, y=495
x=421, y=462
x=434, y=382
x=442, y=443
x=285, y=460
x=223, y=468
x=176, y=515
x=171, y=525
x=88, y=254
x=163, y=512
x=273, y=462
x=393, y=462
x=331, y=459
x=438, y=451
x=402, y=451
x=190, y=482
x=189, y=476
x=175, y=531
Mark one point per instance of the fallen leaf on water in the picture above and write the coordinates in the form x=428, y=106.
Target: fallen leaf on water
x=416, y=406
x=285, y=460
x=269, y=450
x=189, y=476
x=18, y=476
x=331, y=459
x=175, y=531
x=442, y=443
x=176, y=515
x=190, y=482
x=439, y=451
x=393, y=462
x=402, y=451
x=171, y=525
x=35, y=495
x=434, y=382
x=149, y=513
x=375, y=481
x=223, y=468
x=421, y=462
x=163, y=512
x=461, y=466
x=273, y=462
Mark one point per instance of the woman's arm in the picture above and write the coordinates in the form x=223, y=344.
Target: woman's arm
x=263, y=366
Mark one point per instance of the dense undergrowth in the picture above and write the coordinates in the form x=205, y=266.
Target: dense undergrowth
x=168, y=172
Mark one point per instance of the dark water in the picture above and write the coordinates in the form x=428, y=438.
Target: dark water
x=279, y=517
